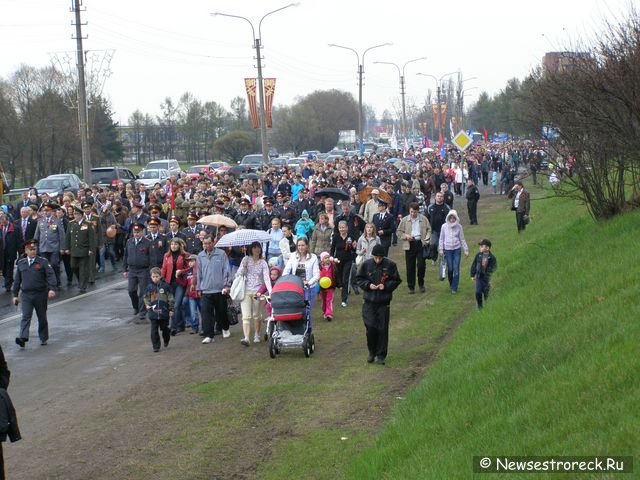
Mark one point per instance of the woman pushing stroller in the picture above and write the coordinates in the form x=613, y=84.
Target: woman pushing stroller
x=304, y=265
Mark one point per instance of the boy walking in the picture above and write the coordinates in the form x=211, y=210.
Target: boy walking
x=158, y=300
x=483, y=265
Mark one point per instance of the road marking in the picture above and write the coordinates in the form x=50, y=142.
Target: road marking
x=68, y=300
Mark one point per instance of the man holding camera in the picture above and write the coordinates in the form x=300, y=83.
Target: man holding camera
x=520, y=204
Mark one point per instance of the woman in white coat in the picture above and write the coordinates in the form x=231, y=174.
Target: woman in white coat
x=304, y=265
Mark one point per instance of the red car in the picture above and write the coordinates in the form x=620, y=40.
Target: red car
x=196, y=170
x=220, y=167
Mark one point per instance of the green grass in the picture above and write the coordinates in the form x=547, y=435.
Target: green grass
x=550, y=367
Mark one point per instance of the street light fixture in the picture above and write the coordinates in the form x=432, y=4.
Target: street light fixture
x=438, y=83
x=257, y=44
x=360, y=72
x=402, y=91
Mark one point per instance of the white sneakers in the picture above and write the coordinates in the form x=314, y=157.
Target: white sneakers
x=343, y=304
x=226, y=333
x=256, y=338
x=207, y=340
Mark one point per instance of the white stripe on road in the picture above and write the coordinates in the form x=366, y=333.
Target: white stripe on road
x=67, y=300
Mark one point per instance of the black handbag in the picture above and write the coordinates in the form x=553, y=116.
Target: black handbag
x=233, y=312
x=429, y=251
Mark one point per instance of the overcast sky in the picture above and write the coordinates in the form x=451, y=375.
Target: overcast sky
x=165, y=48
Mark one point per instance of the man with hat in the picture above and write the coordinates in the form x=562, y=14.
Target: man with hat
x=34, y=284
x=50, y=234
x=385, y=225
x=154, y=212
x=94, y=220
x=483, y=265
x=378, y=277
x=137, y=215
x=267, y=214
x=245, y=216
x=303, y=203
x=136, y=265
x=174, y=229
x=191, y=231
x=81, y=243
x=158, y=243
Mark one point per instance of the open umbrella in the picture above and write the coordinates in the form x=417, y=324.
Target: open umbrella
x=366, y=191
x=243, y=237
x=251, y=176
x=218, y=220
x=392, y=160
x=331, y=192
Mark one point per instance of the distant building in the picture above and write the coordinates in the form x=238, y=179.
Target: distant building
x=557, y=62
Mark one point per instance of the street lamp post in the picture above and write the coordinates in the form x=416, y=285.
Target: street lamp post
x=257, y=44
x=403, y=90
x=360, y=73
x=438, y=83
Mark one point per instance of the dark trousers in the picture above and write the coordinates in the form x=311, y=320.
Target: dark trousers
x=485, y=178
x=472, y=209
x=80, y=265
x=54, y=260
x=414, y=261
x=376, y=322
x=213, y=308
x=66, y=261
x=7, y=272
x=177, y=321
x=344, y=274
x=37, y=301
x=520, y=221
x=138, y=279
x=156, y=326
x=482, y=289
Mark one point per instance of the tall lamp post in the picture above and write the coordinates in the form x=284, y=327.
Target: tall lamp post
x=257, y=44
x=360, y=73
x=402, y=90
x=438, y=83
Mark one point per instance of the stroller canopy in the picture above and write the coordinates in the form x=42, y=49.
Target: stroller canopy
x=287, y=298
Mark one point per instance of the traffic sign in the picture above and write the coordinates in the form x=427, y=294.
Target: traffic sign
x=462, y=140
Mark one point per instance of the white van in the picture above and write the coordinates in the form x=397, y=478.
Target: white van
x=169, y=164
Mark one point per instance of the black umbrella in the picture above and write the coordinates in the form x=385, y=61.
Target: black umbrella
x=331, y=192
x=251, y=176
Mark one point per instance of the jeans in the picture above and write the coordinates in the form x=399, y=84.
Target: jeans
x=452, y=258
x=107, y=250
x=194, y=308
x=177, y=323
x=310, y=296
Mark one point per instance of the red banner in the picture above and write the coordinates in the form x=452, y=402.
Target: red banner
x=250, y=85
x=269, y=90
x=443, y=113
x=485, y=134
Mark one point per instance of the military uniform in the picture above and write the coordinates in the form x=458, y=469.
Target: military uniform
x=51, y=236
x=157, y=248
x=194, y=245
x=136, y=265
x=81, y=241
x=94, y=220
x=34, y=278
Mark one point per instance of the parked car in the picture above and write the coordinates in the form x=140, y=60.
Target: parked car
x=171, y=165
x=253, y=160
x=111, y=176
x=196, y=170
x=150, y=177
x=55, y=185
x=220, y=167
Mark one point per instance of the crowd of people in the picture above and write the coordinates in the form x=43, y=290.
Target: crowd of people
x=324, y=220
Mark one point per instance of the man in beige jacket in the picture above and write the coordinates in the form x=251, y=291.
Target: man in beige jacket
x=414, y=232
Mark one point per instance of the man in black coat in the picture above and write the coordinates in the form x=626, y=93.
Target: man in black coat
x=26, y=224
x=136, y=268
x=11, y=239
x=473, y=195
x=378, y=277
x=245, y=216
x=385, y=225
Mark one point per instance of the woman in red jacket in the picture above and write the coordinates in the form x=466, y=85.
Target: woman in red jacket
x=173, y=263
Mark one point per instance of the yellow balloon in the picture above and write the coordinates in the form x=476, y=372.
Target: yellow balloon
x=325, y=282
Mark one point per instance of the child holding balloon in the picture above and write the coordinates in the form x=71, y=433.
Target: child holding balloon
x=328, y=273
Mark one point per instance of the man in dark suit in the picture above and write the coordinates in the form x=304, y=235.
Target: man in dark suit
x=385, y=225
x=26, y=225
x=11, y=240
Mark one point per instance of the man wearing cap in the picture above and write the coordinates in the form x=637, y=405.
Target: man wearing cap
x=93, y=220
x=50, y=235
x=154, y=212
x=245, y=216
x=267, y=214
x=136, y=268
x=34, y=284
x=158, y=243
x=191, y=231
x=174, y=229
x=378, y=277
x=371, y=207
x=483, y=265
x=385, y=225
x=303, y=203
x=81, y=243
x=137, y=215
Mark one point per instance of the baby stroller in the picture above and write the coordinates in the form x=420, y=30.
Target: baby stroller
x=290, y=324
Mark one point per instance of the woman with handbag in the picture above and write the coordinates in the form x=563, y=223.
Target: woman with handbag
x=255, y=271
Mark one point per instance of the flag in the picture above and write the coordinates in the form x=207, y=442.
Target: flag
x=250, y=86
x=269, y=90
x=441, y=141
x=172, y=196
x=393, y=141
x=436, y=117
x=442, y=152
x=485, y=134
x=426, y=143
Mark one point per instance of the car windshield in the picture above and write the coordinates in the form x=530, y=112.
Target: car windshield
x=155, y=165
x=216, y=164
x=149, y=174
x=103, y=176
x=48, y=183
x=196, y=169
x=252, y=160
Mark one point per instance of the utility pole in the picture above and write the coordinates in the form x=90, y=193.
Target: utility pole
x=82, y=98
